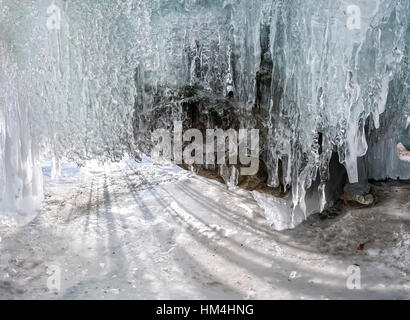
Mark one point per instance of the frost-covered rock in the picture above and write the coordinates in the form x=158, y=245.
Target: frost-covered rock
x=358, y=193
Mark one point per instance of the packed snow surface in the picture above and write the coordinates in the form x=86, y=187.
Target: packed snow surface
x=145, y=231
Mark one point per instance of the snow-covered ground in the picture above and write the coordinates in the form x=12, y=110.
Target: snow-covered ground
x=144, y=231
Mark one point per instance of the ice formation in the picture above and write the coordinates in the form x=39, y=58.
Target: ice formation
x=87, y=78
x=21, y=187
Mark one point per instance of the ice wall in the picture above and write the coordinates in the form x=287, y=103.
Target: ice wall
x=67, y=70
x=322, y=70
x=21, y=188
x=331, y=77
x=21, y=183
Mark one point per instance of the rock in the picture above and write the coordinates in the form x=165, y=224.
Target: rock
x=404, y=153
x=330, y=213
x=358, y=193
x=200, y=110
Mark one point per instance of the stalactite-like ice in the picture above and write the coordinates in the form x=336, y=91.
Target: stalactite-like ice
x=20, y=174
x=322, y=70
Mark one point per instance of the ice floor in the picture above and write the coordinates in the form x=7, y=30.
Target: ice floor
x=143, y=231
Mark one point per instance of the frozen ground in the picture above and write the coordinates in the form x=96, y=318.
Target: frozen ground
x=149, y=232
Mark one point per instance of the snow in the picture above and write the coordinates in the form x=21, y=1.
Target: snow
x=145, y=231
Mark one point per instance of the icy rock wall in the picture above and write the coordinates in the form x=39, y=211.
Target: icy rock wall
x=331, y=78
x=321, y=70
x=382, y=159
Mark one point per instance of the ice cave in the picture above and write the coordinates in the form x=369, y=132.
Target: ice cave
x=204, y=149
